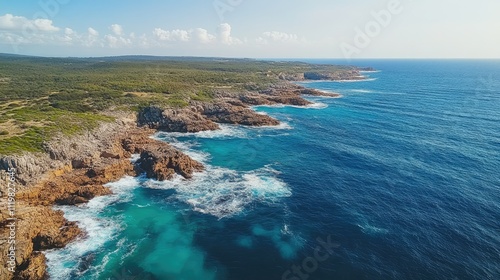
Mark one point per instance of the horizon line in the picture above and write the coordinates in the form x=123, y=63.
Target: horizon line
x=256, y=58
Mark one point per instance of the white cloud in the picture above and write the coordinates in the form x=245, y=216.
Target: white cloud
x=176, y=35
x=144, y=41
x=202, y=36
x=91, y=38
x=197, y=36
x=92, y=32
x=180, y=35
x=45, y=25
x=69, y=31
x=10, y=22
x=225, y=35
x=116, y=42
x=43, y=32
x=69, y=35
x=18, y=23
x=13, y=39
x=117, y=29
x=276, y=36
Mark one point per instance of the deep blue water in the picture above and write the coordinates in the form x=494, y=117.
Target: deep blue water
x=400, y=176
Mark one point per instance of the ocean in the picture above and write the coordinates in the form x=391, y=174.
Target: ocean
x=398, y=179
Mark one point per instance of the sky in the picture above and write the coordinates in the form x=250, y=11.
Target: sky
x=252, y=28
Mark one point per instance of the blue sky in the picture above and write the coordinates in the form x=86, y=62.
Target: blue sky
x=253, y=28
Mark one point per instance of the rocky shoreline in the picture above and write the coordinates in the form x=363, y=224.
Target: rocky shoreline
x=74, y=169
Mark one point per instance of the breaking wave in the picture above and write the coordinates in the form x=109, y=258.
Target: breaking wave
x=220, y=191
x=223, y=192
x=72, y=261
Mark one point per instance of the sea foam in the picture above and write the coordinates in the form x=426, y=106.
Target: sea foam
x=220, y=191
x=98, y=230
x=223, y=192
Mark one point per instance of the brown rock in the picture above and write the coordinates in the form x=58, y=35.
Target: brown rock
x=106, y=154
x=37, y=227
x=175, y=120
x=163, y=162
x=33, y=269
x=81, y=163
x=224, y=112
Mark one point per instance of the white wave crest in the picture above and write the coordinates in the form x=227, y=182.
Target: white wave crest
x=356, y=81
x=61, y=262
x=314, y=105
x=317, y=105
x=362, y=91
x=222, y=192
x=225, y=131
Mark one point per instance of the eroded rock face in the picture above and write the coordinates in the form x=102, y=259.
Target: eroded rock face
x=159, y=160
x=291, y=99
x=34, y=268
x=37, y=227
x=175, y=120
x=224, y=112
x=28, y=166
x=162, y=163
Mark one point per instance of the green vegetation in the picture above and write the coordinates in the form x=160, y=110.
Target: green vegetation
x=40, y=97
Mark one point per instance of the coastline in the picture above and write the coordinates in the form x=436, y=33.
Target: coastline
x=77, y=168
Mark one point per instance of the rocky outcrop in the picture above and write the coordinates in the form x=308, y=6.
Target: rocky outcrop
x=259, y=99
x=37, y=228
x=28, y=166
x=159, y=160
x=164, y=162
x=202, y=116
x=174, y=120
x=79, y=185
x=34, y=268
x=225, y=112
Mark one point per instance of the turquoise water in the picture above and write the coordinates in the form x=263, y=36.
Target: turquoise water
x=399, y=178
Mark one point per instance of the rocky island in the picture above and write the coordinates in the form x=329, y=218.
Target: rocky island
x=76, y=128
